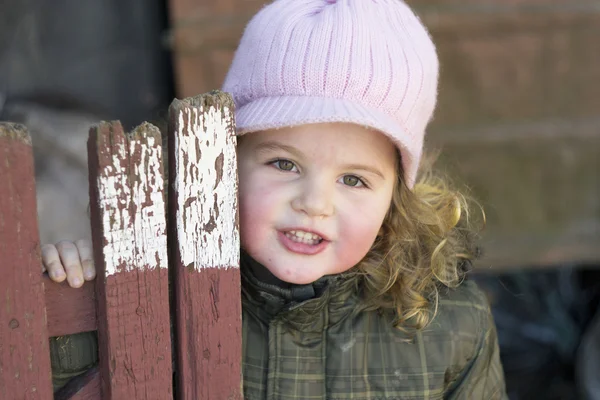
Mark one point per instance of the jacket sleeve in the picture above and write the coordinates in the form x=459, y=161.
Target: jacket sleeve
x=483, y=377
x=72, y=355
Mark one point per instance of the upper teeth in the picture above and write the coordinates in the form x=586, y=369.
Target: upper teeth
x=306, y=235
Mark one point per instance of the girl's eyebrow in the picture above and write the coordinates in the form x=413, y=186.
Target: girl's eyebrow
x=366, y=168
x=274, y=146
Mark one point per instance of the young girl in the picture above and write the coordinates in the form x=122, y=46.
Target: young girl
x=353, y=273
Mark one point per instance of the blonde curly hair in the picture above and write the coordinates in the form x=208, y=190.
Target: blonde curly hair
x=426, y=243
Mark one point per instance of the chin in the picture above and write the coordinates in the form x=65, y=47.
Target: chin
x=290, y=276
x=297, y=275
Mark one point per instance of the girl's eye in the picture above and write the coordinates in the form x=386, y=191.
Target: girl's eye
x=284, y=165
x=352, y=180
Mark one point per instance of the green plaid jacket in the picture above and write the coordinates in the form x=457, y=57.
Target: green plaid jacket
x=307, y=342
x=320, y=348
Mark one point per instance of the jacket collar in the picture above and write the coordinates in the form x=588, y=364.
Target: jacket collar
x=309, y=307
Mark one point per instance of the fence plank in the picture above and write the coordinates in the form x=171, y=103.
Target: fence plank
x=70, y=310
x=205, y=258
x=24, y=352
x=129, y=237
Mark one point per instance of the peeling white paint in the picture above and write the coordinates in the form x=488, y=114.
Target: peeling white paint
x=134, y=232
x=207, y=206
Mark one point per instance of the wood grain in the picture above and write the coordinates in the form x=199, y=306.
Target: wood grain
x=129, y=238
x=204, y=228
x=24, y=350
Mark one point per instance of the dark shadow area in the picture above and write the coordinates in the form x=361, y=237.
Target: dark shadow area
x=542, y=316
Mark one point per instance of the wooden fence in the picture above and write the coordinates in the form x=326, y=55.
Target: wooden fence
x=154, y=343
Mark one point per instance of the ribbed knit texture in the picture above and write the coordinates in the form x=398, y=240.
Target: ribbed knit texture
x=369, y=62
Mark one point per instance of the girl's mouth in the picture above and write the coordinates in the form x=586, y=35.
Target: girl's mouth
x=304, y=237
x=301, y=242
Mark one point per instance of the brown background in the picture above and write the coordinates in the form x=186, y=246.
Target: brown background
x=518, y=118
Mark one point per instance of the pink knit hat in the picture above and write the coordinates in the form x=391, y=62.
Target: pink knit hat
x=368, y=62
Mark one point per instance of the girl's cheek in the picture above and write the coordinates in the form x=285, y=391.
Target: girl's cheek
x=257, y=204
x=361, y=229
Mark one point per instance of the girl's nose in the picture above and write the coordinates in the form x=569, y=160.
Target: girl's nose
x=315, y=199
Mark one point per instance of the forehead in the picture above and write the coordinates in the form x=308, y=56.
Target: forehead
x=333, y=141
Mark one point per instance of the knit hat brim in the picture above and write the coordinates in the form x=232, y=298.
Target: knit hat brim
x=286, y=111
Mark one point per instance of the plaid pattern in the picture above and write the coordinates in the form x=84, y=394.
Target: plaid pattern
x=321, y=349
x=72, y=355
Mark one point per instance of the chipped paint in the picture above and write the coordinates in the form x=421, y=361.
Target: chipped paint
x=133, y=210
x=206, y=186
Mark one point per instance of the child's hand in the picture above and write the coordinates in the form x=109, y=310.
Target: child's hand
x=71, y=260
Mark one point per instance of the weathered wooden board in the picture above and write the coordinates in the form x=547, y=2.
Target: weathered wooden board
x=70, y=310
x=129, y=237
x=24, y=352
x=205, y=250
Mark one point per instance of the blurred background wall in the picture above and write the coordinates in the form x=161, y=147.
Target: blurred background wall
x=107, y=55
x=518, y=122
x=64, y=65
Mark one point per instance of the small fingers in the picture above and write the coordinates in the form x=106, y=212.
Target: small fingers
x=86, y=258
x=51, y=263
x=69, y=256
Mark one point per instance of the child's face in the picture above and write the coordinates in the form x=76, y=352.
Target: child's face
x=313, y=197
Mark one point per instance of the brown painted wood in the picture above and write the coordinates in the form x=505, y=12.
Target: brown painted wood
x=205, y=247
x=24, y=352
x=83, y=387
x=69, y=310
x=129, y=238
